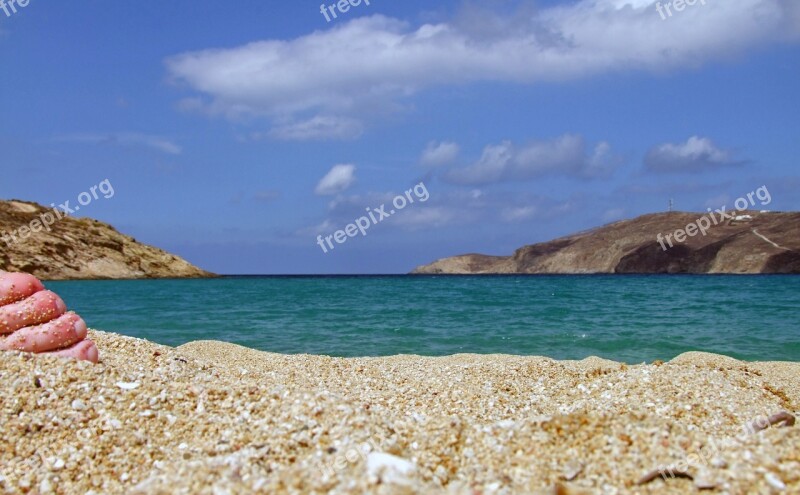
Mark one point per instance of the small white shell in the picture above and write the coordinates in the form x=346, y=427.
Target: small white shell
x=774, y=481
x=127, y=385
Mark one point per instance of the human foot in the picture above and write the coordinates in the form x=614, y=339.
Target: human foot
x=33, y=319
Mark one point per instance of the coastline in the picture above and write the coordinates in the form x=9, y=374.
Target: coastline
x=209, y=416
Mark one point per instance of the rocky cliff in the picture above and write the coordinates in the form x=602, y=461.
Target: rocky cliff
x=749, y=242
x=34, y=239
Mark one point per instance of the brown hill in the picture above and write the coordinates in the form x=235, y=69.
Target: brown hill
x=34, y=240
x=752, y=242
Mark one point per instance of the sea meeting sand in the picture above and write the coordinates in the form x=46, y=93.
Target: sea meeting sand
x=211, y=417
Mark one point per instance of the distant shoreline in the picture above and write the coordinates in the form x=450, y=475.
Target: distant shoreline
x=748, y=242
x=435, y=275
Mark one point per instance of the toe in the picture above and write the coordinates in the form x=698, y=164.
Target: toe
x=17, y=286
x=59, y=333
x=39, y=308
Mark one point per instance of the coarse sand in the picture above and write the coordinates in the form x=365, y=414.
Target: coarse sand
x=211, y=417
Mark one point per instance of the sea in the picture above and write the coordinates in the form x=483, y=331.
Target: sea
x=626, y=318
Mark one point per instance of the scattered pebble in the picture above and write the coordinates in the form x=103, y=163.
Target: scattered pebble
x=704, y=480
x=388, y=468
x=45, y=486
x=128, y=385
x=572, y=470
x=775, y=482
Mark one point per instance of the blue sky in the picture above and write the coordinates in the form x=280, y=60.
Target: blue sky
x=235, y=133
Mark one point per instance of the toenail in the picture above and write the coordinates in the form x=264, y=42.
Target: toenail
x=62, y=308
x=80, y=327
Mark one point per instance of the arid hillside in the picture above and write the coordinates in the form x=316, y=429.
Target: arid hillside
x=33, y=239
x=750, y=242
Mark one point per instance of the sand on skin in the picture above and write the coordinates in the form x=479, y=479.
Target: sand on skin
x=211, y=417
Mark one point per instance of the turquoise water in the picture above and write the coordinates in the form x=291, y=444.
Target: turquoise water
x=626, y=318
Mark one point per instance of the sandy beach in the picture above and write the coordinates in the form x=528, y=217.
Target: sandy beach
x=211, y=417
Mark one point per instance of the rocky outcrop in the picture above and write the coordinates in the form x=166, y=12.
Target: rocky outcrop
x=750, y=242
x=33, y=239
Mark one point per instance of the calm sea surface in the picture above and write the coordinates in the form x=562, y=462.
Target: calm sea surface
x=626, y=318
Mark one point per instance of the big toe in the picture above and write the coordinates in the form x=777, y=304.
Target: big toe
x=85, y=350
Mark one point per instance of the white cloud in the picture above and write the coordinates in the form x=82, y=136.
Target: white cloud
x=438, y=154
x=423, y=216
x=519, y=213
x=320, y=127
x=337, y=180
x=348, y=206
x=124, y=139
x=476, y=194
x=372, y=62
x=438, y=211
x=697, y=154
x=491, y=167
x=457, y=207
x=324, y=227
x=565, y=155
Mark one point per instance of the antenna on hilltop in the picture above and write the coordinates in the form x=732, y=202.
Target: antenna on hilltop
x=670, y=205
